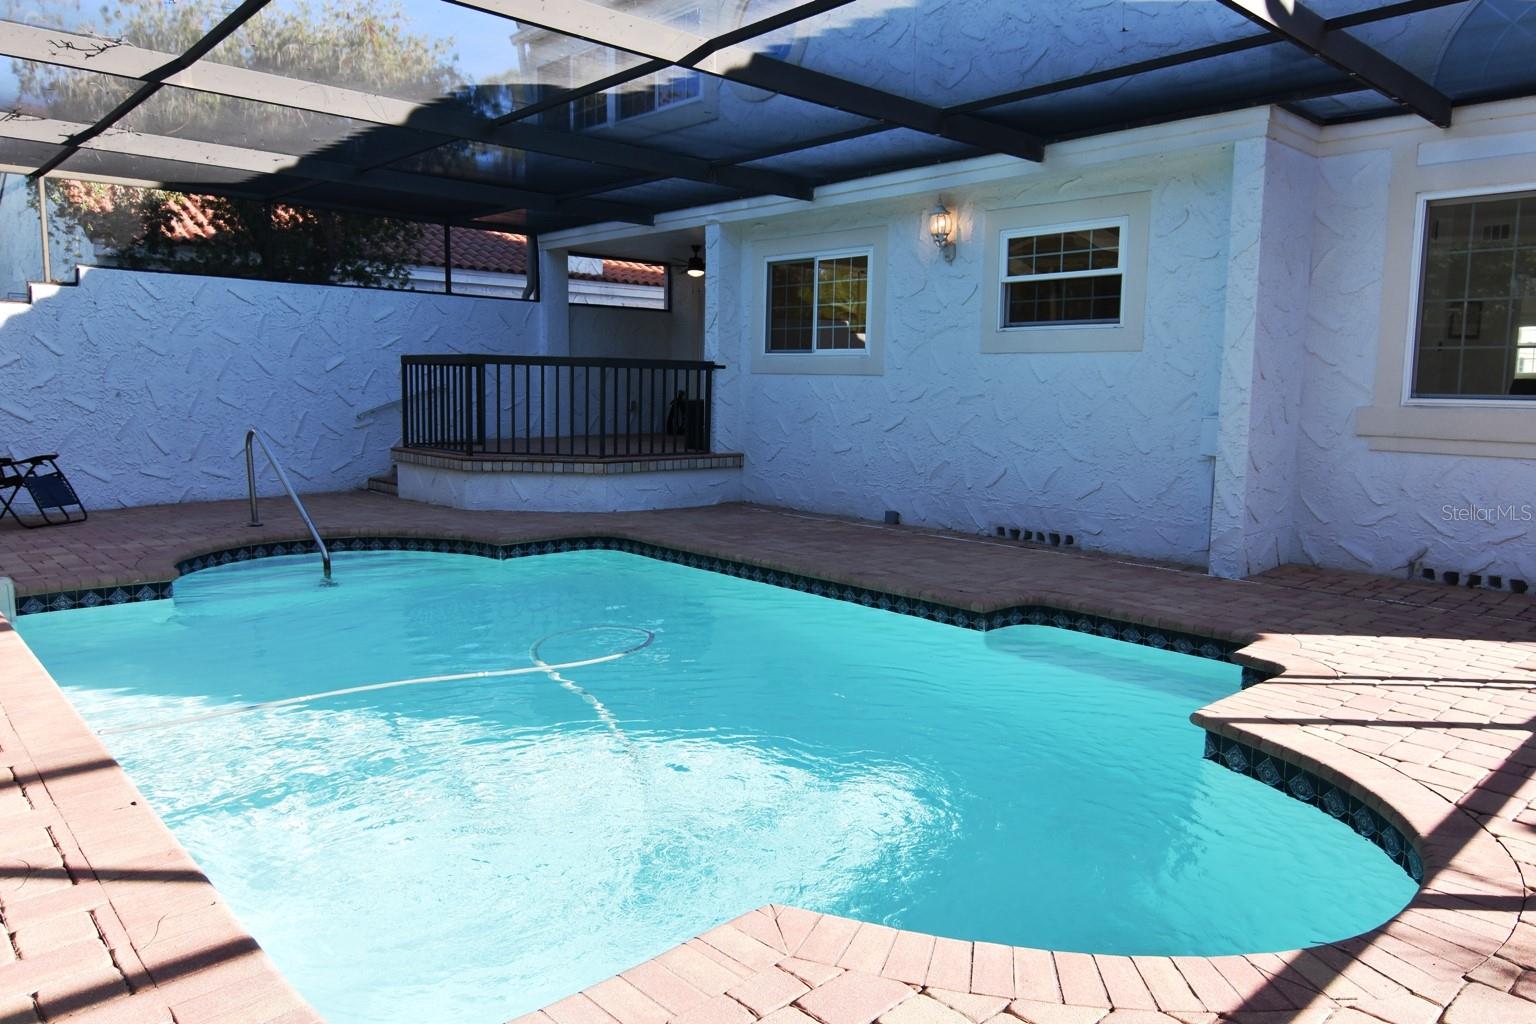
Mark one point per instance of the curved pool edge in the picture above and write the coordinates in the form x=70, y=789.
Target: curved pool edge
x=1408, y=969
x=1432, y=953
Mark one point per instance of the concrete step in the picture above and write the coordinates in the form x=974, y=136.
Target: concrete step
x=385, y=483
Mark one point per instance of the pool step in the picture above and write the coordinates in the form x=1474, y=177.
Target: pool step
x=385, y=483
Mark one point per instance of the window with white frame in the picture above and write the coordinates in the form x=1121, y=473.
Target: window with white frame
x=818, y=303
x=1476, y=333
x=1062, y=276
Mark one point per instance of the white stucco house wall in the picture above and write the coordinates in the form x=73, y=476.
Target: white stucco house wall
x=1259, y=416
x=1248, y=410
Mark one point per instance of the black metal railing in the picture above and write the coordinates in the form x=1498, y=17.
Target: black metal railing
x=556, y=406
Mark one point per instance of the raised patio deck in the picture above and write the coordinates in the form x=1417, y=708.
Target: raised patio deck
x=1417, y=698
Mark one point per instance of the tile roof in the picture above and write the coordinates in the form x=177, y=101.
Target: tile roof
x=473, y=248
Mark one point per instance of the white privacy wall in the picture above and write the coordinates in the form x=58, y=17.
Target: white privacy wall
x=145, y=383
x=1105, y=446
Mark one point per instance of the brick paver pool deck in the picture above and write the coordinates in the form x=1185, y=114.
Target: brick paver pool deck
x=1418, y=699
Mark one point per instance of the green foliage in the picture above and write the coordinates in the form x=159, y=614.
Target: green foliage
x=356, y=43
x=155, y=229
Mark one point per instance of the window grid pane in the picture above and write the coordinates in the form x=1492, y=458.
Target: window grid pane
x=842, y=285
x=1076, y=300
x=1477, y=302
x=1073, y=251
x=791, y=305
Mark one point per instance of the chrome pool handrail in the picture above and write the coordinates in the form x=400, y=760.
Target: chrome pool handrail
x=254, y=436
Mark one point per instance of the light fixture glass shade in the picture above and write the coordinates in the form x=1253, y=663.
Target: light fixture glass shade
x=941, y=224
x=695, y=264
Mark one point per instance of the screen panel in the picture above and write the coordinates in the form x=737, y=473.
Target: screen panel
x=1344, y=8
x=406, y=204
x=23, y=262
x=1468, y=51
x=670, y=194
x=426, y=51
x=871, y=154
x=486, y=263
x=949, y=52
x=698, y=115
x=502, y=165
x=225, y=120
x=1273, y=73
x=458, y=60
x=702, y=19
x=172, y=231
x=151, y=24
x=1349, y=106
x=173, y=174
x=67, y=94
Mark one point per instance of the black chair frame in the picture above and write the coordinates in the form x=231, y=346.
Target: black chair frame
x=45, y=483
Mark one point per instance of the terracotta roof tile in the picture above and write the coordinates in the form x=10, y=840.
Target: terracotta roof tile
x=499, y=252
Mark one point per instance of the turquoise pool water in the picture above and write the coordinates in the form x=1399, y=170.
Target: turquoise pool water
x=469, y=849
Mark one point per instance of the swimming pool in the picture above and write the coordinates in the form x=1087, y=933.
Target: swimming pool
x=470, y=848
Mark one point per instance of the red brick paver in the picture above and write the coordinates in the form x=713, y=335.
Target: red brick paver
x=1419, y=699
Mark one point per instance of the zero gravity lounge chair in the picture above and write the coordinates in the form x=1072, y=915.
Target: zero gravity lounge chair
x=47, y=486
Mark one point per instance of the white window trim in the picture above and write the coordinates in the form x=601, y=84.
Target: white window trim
x=1480, y=158
x=1005, y=279
x=872, y=240
x=1416, y=289
x=818, y=256
x=1132, y=212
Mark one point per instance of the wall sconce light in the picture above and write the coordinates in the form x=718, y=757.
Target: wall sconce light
x=941, y=225
x=695, y=264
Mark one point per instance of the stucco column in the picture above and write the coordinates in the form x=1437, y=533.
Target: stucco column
x=724, y=287
x=554, y=306
x=1263, y=346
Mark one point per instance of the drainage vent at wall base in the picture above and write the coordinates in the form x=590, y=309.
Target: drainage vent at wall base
x=1024, y=535
x=1476, y=580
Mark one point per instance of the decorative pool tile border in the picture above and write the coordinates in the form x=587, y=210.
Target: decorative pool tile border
x=1300, y=784
x=1035, y=615
x=91, y=597
x=1296, y=782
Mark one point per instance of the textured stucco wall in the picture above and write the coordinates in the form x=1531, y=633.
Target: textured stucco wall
x=1262, y=356
x=145, y=383
x=1379, y=511
x=569, y=492
x=674, y=333
x=1106, y=446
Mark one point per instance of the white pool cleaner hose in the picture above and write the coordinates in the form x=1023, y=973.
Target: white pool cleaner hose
x=539, y=666
x=598, y=706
